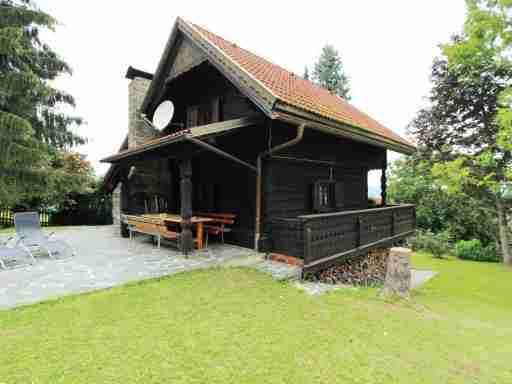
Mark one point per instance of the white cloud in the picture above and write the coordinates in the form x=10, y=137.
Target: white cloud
x=387, y=49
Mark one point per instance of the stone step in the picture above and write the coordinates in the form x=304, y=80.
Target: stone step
x=279, y=271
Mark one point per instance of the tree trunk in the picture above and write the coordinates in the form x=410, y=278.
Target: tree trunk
x=503, y=231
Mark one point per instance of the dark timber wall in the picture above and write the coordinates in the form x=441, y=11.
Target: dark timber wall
x=221, y=185
x=289, y=176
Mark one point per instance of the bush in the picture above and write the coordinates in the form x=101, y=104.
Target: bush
x=474, y=250
x=438, y=244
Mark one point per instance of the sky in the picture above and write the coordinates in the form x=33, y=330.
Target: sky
x=387, y=48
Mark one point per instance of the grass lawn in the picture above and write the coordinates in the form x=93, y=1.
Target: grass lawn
x=239, y=326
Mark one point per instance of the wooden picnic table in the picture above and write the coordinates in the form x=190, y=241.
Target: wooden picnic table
x=198, y=221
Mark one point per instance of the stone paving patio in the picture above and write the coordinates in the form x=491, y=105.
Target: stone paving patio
x=103, y=260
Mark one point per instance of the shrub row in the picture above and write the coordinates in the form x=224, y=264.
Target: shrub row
x=474, y=250
x=440, y=244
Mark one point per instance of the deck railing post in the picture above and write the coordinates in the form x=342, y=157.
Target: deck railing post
x=393, y=219
x=308, y=239
x=358, y=231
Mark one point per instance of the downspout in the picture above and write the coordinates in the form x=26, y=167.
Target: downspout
x=259, y=177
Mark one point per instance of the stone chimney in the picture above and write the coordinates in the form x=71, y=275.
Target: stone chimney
x=138, y=131
x=147, y=177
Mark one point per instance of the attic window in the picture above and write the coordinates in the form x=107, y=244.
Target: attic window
x=192, y=116
x=205, y=113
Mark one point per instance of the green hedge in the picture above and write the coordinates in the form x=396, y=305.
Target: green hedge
x=474, y=250
x=438, y=244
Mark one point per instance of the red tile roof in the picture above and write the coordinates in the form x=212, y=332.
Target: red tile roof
x=298, y=92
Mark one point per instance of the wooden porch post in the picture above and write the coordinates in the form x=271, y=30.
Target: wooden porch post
x=383, y=185
x=186, y=241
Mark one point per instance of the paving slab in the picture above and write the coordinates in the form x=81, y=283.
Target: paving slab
x=278, y=270
x=420, y=277
x=104, y=259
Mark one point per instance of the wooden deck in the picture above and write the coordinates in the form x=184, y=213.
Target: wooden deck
x=325, y=239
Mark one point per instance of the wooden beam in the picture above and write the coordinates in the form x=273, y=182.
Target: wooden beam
x=359, y=211
x=226, y=125
x=222, y=153
x=383, y=186
x=153, y=146
x=186, y=240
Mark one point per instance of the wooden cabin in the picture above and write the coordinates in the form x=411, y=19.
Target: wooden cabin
x=284, y=156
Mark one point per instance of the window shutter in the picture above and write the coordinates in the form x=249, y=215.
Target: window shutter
x=339, y=195
x=316, y=197
x=192, y=116
x=215, y=110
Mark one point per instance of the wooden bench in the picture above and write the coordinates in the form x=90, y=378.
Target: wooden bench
x=150, y=227
x=219, y=224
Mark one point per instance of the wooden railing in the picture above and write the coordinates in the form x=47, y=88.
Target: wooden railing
x=325, y=238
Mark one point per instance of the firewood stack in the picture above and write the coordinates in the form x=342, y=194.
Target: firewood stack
x=366, y=270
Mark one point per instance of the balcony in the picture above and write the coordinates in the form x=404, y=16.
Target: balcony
x=324, y=239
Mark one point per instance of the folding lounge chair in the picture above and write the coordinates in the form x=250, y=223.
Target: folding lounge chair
x=28, y=230
x=14, y=254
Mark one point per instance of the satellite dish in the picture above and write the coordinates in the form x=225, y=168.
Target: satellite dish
x=163, y=114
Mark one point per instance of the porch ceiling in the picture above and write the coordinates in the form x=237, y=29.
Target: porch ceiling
x=202, y=131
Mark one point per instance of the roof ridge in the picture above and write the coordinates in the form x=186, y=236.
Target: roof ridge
x=201, y=31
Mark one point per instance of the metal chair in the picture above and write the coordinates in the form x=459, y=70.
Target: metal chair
x=15, y=254
x=30, y=234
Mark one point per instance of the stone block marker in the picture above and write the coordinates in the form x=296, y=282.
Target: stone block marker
x=398, y=273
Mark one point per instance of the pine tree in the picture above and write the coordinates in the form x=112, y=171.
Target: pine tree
x=306, y=73
x=32, y=126
x=328, y=72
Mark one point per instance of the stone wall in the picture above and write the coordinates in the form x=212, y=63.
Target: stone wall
x=138, y=131
x=116, y=204
x=147, y=179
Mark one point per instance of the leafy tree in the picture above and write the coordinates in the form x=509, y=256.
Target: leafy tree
x=72, y=175
x=465, y=217
x=33, y=126
x=465, y=130
x=328, y=72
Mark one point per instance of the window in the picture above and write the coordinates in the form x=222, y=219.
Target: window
x=323, y=196
x=328, y=196
x=192, y=116
x=205, y=113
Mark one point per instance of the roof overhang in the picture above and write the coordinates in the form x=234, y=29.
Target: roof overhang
x=290, y=114
x=203, y=131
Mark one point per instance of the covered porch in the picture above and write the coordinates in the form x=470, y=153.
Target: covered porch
x=191, y=187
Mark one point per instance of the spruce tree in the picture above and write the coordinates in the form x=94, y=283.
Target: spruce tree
x=328, y=72
x=306, y=73
x=33, y=128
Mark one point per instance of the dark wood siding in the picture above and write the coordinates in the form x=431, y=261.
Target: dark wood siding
x=202, y=95
x=325, y=238
x=233, y=185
